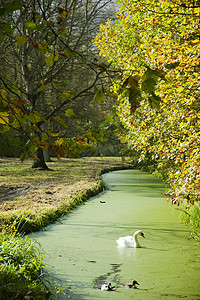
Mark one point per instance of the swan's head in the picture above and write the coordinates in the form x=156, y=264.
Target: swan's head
x=139, y=232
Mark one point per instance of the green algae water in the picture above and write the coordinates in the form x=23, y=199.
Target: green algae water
x=81, y=250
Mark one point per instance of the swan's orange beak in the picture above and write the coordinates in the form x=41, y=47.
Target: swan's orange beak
x=142, y=234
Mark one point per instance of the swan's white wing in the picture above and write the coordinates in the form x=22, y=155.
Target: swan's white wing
x=125, y=241
x=104, y=287
x=128, y=238
x=121, y=242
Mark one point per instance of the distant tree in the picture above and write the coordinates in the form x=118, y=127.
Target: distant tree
x=47, y=65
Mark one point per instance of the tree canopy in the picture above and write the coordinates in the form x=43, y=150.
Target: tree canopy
x=50, y=76
x=156, y=46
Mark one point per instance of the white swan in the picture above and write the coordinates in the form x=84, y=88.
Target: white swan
x=107, y=287
x=130, y=241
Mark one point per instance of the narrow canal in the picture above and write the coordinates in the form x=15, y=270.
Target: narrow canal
x=81, y=249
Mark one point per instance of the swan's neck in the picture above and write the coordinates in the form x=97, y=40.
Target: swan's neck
x=137, y=245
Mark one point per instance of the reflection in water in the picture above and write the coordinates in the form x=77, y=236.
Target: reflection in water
x=82, y=252
x=115, y=269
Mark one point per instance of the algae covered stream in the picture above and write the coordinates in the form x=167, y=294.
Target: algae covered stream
x=81, y=252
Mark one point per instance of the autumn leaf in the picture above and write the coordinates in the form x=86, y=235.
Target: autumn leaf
x=4, y=117
x=134, y=98
x=18, y=101
x=59, y=142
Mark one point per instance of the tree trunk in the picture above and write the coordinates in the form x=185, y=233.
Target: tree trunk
x=46, y=155
x=40, y=162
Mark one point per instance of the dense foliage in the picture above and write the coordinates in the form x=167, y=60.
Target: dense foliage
x=156, y=46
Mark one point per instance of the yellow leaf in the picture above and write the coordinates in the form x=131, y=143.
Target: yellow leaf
x=64, y=14
x=4, y=117
x=59, y=142
x=69, y=113
x=3, y=93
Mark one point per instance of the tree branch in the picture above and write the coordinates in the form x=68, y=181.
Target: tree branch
x=75, y=97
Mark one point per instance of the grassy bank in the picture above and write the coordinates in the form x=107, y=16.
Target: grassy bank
x=22, y=271
x=33, y=198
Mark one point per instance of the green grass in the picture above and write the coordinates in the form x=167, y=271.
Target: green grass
x=22, y=271
x=64, y=170
x=70, y=182
x=30, y=222
x=190, y=214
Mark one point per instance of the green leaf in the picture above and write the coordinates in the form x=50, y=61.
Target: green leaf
x=108, y=121
x=61, y=83
x=60, y=121
x=31, y=146
x=134, y=94
x=99, y=96
x=35, y=117
x=14, y=89
x=64, y=83
x=149, y=85
x=67, y=94
x=154, y=101
x=150, y=74
x=69, y=113
x=21, y=40
x=98, y=134
x=49, y=60
x=31, y=26
x=45, y=137
x=106, y=66
x=43, y=86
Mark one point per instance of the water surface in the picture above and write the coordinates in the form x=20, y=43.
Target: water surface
x=82, y=252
